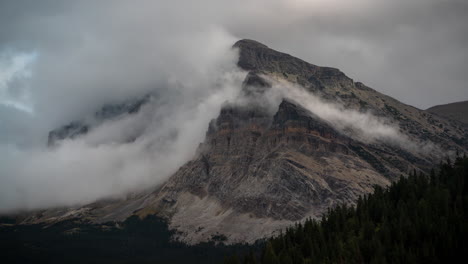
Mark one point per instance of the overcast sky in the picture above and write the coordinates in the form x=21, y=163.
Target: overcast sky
x=58, y=54
x=61, y=60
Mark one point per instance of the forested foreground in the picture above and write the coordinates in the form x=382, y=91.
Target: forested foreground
x=418, y=219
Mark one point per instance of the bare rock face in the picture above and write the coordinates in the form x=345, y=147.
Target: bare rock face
x=259, y=171
x=276, y=169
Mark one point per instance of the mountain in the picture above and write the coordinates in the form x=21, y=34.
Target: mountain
x=455, y=111
x=107, y=112
x=260, y=170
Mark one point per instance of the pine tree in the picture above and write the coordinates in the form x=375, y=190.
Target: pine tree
x=250, y=258
x=231, y=260
x=269, y=256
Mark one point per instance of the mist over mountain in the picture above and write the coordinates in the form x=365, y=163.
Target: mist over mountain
x=63, y=61
x=293, y=140
x=155, y=131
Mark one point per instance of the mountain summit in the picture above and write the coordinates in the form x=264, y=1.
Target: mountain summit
x=259, y=171
x=254, y=56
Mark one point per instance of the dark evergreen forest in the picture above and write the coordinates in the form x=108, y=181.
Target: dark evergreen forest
x=134, y=241
x=418, y=219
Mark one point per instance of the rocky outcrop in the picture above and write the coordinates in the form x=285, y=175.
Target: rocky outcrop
x=107, y=112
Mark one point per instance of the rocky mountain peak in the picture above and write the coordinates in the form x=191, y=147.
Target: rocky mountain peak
x=257, y=57
x=243, y=43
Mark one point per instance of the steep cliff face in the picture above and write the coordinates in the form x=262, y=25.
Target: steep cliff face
x=260, y=172
x=281, y=167
x=262, y=168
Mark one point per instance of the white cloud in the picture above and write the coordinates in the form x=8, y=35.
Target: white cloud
x=103, y=164
x=362, y=126
x=15, y=68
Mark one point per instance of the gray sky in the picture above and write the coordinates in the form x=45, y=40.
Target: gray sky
x=61, y=60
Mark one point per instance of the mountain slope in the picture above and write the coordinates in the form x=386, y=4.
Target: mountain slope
x=334, y=85
x=456, y=111
x=263, y=167
x=380, y=230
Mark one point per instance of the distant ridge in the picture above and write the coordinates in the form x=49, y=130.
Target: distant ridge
x=456, y=111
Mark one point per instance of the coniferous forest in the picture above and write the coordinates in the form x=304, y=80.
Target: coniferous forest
x=421, y=218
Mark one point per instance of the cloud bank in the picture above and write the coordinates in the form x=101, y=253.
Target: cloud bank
x=190, y=71
x=103, y=163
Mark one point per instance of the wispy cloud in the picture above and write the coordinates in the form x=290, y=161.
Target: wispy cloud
x=15, y=69
x=362, y=126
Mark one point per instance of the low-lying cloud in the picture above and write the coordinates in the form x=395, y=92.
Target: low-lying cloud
x=103, y=163
x=189, y=74
x=362, y=126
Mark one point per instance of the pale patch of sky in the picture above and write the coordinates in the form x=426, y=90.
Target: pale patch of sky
x=15, y=69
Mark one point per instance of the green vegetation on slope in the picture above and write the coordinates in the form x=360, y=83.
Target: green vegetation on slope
x=418, y=219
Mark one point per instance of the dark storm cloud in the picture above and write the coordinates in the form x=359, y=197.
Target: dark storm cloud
x=82, y=54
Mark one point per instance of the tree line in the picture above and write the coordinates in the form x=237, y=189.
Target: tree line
x=421, y=218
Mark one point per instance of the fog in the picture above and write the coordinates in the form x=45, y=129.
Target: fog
x=190, y=73
x=103, y=163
